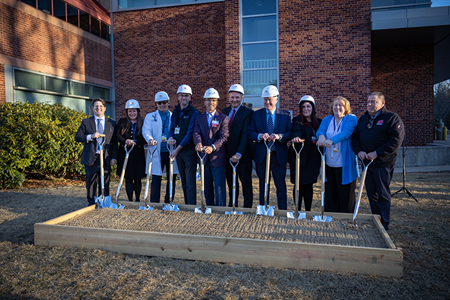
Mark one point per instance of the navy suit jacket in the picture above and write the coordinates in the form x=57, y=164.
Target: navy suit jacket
x=208, y=136
x=238, y=140
x=110, y=147
x=283, y=126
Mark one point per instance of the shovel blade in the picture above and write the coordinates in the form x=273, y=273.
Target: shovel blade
x=261, y=210
x=114, y=206
x=169, y=207
x=199, y=210
x=291, y=215
x=145, y=207
x=324, y=219
x=234, y=212
x=102, y=204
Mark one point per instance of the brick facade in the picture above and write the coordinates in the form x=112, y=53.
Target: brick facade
x=160, y=49
x=32, y=38
x=405, y=76
x=324, y=51
x=2, y=84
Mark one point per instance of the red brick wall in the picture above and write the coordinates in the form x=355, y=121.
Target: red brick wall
x=324, y=50
x=405, y=76
x=30, y=38
x=2, y=84
x=232, y=43
x=160, y=49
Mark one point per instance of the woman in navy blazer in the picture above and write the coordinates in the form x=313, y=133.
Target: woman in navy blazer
x=341, y=164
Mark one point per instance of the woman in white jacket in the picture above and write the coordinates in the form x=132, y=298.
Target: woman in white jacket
x=155, y=130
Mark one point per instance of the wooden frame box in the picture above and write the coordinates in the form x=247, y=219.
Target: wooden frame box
x=306, y=256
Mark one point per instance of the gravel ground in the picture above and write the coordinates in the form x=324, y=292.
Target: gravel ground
x=421, y=229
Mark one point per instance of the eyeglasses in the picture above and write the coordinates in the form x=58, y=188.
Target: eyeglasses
x=162, y=102
x=370, y=123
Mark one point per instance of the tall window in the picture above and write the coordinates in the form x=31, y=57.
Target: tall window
x=259, y=40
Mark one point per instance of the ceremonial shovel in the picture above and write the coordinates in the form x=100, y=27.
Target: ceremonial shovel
x=296, y=215
x=149, y=170
x=203, y=209
x=361, y=185
x=102, y=201
x=322, y=218
x=234, y=212
x=122, y=175
x=171, y=206
x=265, y=209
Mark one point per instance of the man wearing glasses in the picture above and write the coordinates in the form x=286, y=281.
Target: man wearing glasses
x=378, y=136
x=210, y=136
x=180, y=133
x=155, y=130
x=89, y=133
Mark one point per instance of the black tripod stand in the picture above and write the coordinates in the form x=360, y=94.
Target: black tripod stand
x=404, y=189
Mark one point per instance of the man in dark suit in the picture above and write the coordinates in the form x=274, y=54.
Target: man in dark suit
x=272, y=125
x=89, y=133
x=238, y=146
x=210, y=135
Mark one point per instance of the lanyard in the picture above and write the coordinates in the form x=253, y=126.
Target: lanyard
x=335, y=130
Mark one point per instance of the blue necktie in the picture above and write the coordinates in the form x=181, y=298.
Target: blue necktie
x=270, y=130
x=99, y=130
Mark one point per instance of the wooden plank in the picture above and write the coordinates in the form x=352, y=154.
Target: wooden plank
x=384, y=262
x=70, y=215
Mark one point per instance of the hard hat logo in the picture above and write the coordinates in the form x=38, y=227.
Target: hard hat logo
x=132, y=104
x=161, y=96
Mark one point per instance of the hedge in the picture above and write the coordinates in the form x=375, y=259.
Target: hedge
x=38, y=139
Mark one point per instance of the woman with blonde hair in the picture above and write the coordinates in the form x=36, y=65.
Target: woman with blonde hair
x=341, y=164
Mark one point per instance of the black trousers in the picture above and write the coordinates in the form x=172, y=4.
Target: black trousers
x=244, y=174
x=187, y=167
x=93, y=183
x=155, y=193
x=305, y=194
x=133, y=185
x=338, y=197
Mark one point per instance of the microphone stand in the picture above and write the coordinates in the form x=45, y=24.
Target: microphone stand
x=403, y=188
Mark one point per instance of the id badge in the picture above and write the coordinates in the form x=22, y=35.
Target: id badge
x=177, y=130
x=335, y=149
x=214, y=123
x=163, y=139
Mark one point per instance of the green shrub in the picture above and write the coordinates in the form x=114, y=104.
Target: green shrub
x=39, y=139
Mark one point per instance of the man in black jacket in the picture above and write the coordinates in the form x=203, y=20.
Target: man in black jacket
x=378, y=136
x=89, y=133
x=181, y=130
x=238, y=146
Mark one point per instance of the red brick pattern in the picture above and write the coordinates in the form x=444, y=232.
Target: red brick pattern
x=33, y=39
x=405, y=76
x=324, y=51
x=232, y=43
x=160, y=49
x=2, y=84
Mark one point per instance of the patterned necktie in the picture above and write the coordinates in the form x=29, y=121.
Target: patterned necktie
x=99, y=130
x=232, y=116
x=270, y=129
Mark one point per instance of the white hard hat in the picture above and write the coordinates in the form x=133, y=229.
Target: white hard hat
x=161, y=96
x=236, y=88
x=185, y=89
x=307, y=98
x=211, y=93
x=270, y=91
x=132, y=104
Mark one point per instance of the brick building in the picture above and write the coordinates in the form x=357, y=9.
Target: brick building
x=322, y=48
x=54, y=51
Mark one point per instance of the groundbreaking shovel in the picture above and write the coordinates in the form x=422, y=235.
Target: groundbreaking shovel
x=102, y=201
x=296, y=215
x=171, y=206
x=234, y=212
x=122, y=175
x=203, y=209
x=265, y=209
x=147, y=181
x=322, y=218
x=361, y=186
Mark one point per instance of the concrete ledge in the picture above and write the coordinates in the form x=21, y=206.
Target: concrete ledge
x=437, y=154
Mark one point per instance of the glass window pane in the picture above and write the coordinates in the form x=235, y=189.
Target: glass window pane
x=45, y=6
x=105, y=31
x=29, y=80
x=57, y=85
x=72, y=15
x=81, y=89
x=256, y=7
x=258, y=56
x=101, y=93
x=259, y=29
x=255, y=81
x=84, y=21
x=59, y=9
x=95, y=26
x=30, y=2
